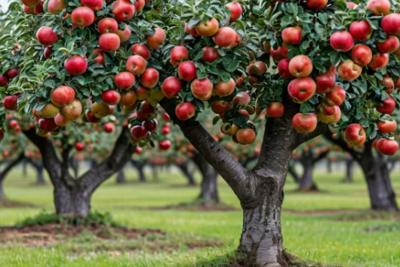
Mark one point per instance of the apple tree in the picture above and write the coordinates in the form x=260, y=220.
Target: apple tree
x=315, y=66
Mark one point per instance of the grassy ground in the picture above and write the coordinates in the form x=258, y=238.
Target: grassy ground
x=332, y=227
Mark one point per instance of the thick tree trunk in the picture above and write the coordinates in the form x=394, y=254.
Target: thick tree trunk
x=139, y=166
x=380, y=189
x=209, y=186
x=261, y=242
x=349, y=170
x=307, y=180
x=120, y=178
x=184, y=168
x=73, y=202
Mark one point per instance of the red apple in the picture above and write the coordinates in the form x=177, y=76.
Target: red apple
x=379, y=7
x=128, y=99
x=3, y=81
x=166, y=129
x=123, y=10
x=110, y=97
x=138, y=133
x=326, y=81
x=109, y=41
x=241, y=99
x=300, y=66
x=12, y=73
x=388, y=82
x=150, y=78
x=208, y=28
x=62, y=95
x=292, y=35
x=341, y=41
x=139, y=5
x=185, y=111
x=141, y=50
x=107, y=25
x=187, y=71
x=150, y=125
x=301, y=89
x=379, y=61
x=210, y=54
x=178, y=54
x=223, y=88
x=360, y=30
x=387, y=146
x=283, y=68
x=47, y=125
x=55, y=6
x=46, y=36
x=275, y=110
x=157, y=39
x=336, y=96
x=171, y=86
x=79, y=146
x=317, y=4
x=82, y=17
x=10, y=102
x=236, y=10
x=387, y=126
x=202, y=89
x=390, y=24
x=76, y=65
x=245, y=136
x=391, y=44
x=329, y=114
x=108, y=127
x=227, y=37
x=125, y=34
x=124, y=80
x=220, y=106
x=304, y=123
x=93, y=4
x=355, y=134
x=279, y=53
x=349, y=71
x=164, y=145
x=72, y=111
x=387, y=106
x=256, y=68
x=361, y=55
x=136, y=64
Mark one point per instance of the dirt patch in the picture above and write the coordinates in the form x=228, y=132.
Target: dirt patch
x=42, y=235
x=7, y=203
x=196, y=206
x=90, y=240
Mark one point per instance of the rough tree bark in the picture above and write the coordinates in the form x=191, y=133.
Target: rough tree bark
x=184, y=168
x=9, y=166
x=209, y=186
x=376, y=174
x=259, y=190
x=72, y=195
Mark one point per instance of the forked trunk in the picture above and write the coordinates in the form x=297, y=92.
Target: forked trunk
x=380, y=189
x=72, y=202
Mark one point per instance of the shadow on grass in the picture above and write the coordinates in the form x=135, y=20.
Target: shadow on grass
x=230, y=260
x=9, y=203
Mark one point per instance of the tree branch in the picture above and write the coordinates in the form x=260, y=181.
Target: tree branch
x=121, y=153
x=11, y=165
x=49, y=156
x=343, y=145
x=230, y=169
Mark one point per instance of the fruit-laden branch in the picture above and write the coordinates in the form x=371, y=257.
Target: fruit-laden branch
x=222, y=160
x=342, y=144
x=120, y=155
x=49, y=155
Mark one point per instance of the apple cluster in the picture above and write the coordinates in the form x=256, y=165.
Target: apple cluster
x=359, y=51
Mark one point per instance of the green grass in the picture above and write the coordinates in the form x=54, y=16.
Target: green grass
x=331, y=238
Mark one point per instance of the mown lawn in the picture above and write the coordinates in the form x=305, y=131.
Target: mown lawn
x=332, y=227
